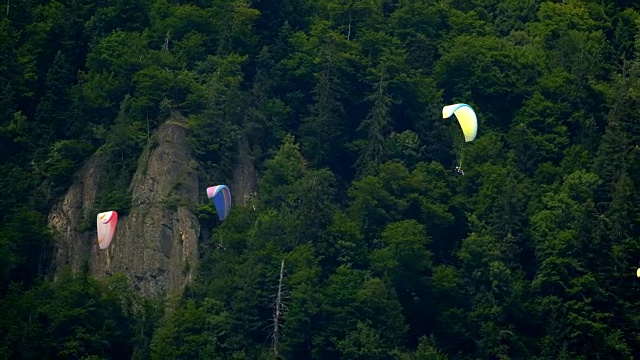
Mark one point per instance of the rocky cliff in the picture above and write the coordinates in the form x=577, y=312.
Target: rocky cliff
x=156, y=242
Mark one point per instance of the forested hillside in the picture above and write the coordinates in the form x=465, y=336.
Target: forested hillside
x=387, y=253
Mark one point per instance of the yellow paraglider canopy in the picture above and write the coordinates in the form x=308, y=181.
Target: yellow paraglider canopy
x=466, y=118
x=638, y=272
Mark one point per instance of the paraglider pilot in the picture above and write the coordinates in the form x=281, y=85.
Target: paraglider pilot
x=108, y=272
x=459, y=170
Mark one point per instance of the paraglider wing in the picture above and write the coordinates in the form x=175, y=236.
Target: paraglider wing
x=466, y=117
x=106, y=224
x=221, y=199
x=638, y=272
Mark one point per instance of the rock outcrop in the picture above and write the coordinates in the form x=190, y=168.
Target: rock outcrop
x=244, y=174
x=156, y=242
x=69, y=217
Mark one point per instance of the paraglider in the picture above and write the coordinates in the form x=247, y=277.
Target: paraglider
x=638, y=272
x=106, y=225
x=466, y=118
x=221, y=200
x=468, y=122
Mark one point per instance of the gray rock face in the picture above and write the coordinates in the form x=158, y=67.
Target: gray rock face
x=75, y=246
x=156, y=243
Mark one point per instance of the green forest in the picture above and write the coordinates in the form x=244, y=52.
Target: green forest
x=386, y=252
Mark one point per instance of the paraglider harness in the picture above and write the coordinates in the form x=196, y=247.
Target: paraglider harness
x=459, y=170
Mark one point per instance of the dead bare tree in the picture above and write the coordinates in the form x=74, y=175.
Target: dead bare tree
x=279, y=309
x=165, y=46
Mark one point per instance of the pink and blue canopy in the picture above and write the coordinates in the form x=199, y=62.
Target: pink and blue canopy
x=221, y=199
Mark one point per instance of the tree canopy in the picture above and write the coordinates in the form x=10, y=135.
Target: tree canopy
x=532, y=254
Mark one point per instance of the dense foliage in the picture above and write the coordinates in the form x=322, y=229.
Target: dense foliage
x=531, y=255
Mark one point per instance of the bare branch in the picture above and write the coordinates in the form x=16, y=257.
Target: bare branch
x=279, y=309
